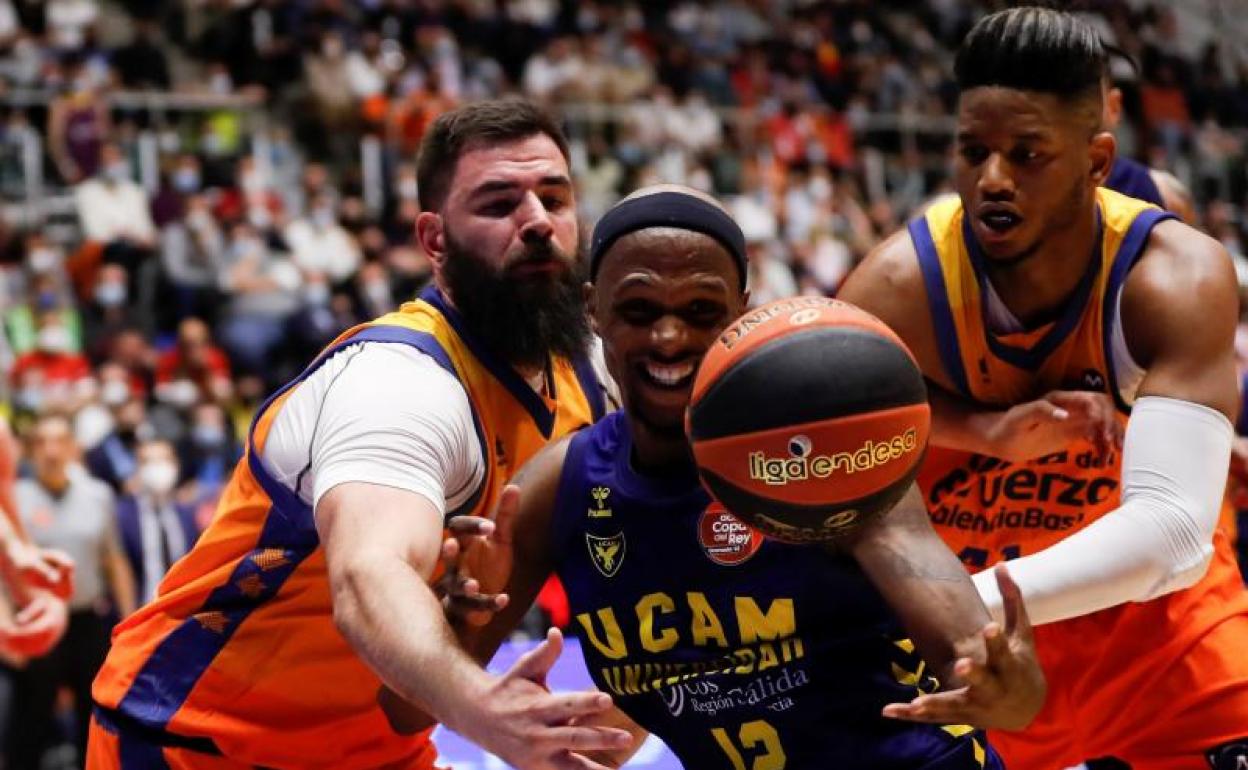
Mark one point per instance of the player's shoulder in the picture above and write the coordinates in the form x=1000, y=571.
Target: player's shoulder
x=892, y=265
x=1179, y=263
x=1182, y=290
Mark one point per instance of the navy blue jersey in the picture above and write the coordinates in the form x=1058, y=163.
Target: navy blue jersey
x=1132, y=178
x=738, y=652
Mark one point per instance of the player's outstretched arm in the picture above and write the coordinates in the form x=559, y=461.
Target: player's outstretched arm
x=381, y=545
x=1004, y=690
x=996, y=676
x=1179, y=312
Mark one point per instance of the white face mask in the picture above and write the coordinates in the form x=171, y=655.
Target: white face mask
x=111, y=294
x=114, y=393
x=118, y=172
x=53, y=339
x=43, y=259
x=158, y=476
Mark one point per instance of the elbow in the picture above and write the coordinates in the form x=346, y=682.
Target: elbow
x=347, y=587
x=1184, y=550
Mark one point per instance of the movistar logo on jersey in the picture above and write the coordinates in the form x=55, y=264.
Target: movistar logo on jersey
x=803, y=463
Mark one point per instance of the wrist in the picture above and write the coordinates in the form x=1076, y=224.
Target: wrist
x=983, y=434
x=459, y=705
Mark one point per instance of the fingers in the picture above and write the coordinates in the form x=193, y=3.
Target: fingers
x=1094, y=414
x=468, y=526
x=569, y=761
x=561, y=708
x=950, y=707
x=505, y=512
x=534, y=664
x=1017, y=624
x=590, y=738
x=996, y=644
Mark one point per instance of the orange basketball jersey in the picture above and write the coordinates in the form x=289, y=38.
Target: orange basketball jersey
x=239, y=647
x=989, y=510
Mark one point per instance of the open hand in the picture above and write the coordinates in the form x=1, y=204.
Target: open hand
x=1005, y=691
x=1049, y=424
x=534, y=729
x=477, y=558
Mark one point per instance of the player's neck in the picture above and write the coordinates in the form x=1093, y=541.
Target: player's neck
x=657, y=455
x=1035, y=288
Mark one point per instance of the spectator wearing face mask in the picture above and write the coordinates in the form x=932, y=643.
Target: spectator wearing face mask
x=194, y=369
x=193, y=255
x=116, y=222
x=264, y=292
x=114, y=459
x=208, y=454
x=181, y=179
x=110, y=309
x=52, y=376
x=45, y=293
x=156, y=530
x=319, y=244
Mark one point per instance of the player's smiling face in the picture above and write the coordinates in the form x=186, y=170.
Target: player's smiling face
x=1026, y=164
x=661, y=298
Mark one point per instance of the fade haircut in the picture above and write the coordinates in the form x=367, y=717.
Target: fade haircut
x=469, y=128
x=1033, y=49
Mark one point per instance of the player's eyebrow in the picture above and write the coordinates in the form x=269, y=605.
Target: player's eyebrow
x=507, y=185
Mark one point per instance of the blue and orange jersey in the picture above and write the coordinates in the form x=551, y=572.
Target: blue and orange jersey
x=736, y=650
x=240, y=647
x=988, y=509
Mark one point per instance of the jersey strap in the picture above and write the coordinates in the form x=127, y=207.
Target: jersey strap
x=938, y=303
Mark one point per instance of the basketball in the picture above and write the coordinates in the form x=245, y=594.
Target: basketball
x=808, y=416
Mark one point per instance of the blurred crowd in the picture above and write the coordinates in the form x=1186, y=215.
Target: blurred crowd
x=153, y=326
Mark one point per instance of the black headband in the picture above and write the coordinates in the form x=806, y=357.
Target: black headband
x=667, y=209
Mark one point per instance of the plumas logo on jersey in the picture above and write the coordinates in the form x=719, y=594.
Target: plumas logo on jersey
x=599, y=509
x=607, y=553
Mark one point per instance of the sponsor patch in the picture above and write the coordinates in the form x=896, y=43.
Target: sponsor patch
x=726, y=539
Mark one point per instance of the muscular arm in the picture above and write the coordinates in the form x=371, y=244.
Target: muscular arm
x=1179, y=311
x=924, y=583
x=527, y=538
x=381, y=546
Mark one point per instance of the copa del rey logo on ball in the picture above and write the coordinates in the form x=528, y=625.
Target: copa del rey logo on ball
x=726, y=539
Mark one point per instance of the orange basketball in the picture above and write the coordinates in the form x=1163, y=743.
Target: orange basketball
x=808, y=416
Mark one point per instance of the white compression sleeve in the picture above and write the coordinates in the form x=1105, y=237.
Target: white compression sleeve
x=1159, y=539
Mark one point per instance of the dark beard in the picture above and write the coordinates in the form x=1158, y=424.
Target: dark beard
x=524, y=320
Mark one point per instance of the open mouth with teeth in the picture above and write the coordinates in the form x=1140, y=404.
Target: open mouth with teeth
x=668, y=376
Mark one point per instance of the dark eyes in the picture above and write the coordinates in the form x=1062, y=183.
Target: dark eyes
x=701, y=313
x=502, y=207
x=975, y=155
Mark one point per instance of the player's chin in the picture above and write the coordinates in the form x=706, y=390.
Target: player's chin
x=661, y=416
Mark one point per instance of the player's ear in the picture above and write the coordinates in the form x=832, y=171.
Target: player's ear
x=1101, y=151
x=590, y=294
x=431, y=236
